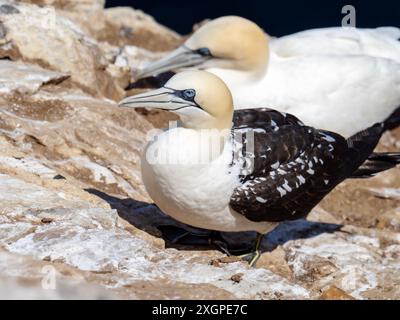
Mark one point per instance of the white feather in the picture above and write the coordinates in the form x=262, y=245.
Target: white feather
x=380, y=42
x=339, y=79
x=192, y=191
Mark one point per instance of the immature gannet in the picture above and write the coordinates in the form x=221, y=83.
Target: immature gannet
x=269, y=167
x=338, y=79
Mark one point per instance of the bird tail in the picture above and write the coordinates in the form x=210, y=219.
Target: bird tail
x=361, y=146
x=377, y=162
x=393, y=121
x=366, y=162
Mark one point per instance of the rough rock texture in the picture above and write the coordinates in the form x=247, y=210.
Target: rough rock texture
x=82, y=39
x=20, y=78
x=119, y=25
x=72, y=5
x=75, y=219
x=133, y=29
x=43, y=36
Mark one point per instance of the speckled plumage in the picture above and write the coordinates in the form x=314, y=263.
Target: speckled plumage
x=295, y=166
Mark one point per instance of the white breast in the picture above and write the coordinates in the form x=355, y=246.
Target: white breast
x=191, y=188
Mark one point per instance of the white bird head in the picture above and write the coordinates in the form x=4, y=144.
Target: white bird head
x=199, y=98
x=229, y=42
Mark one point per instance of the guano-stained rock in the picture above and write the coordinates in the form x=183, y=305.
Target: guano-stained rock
x=75, y=218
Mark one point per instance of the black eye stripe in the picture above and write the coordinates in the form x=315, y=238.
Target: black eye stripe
x=204, y=52
x=186, y=94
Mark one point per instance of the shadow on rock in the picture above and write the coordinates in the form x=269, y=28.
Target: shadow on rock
x=297, y=229
x=151, y=82
x=148, y=217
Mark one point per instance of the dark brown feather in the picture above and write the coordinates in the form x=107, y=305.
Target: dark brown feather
x=294, y=166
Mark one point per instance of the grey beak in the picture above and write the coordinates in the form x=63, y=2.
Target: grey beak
x=162, y=98
x=180, y=58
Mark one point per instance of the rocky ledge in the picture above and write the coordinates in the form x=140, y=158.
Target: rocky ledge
x=75, y=219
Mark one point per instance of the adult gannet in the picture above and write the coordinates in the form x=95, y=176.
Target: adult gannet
x=267, y=168
x=339, y=79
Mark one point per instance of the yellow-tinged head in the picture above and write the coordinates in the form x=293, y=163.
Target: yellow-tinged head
x=229, y=42
x=199, y=98
x=234, y=42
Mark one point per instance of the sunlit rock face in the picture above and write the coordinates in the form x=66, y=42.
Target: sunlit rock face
x=75, y=219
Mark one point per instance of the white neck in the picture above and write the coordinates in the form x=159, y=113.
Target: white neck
x=237, y=77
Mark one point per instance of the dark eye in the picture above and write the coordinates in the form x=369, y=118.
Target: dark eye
x=204, y=52
x=189, y=94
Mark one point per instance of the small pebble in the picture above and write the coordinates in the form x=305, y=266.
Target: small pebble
x=237, y=277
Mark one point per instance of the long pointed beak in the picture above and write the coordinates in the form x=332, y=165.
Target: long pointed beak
x=162, y=98
x=180, y=58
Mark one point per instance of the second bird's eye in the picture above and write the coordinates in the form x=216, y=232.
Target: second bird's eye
x=204, y=51
x=189, y=94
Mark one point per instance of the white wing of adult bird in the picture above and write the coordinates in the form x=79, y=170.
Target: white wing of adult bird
x=338, y=79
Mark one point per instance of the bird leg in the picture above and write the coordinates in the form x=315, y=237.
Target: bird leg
x=216, y=239
x=255, y=254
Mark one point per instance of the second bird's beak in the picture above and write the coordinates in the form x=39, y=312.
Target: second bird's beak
x=180, y=58
x=163, y=98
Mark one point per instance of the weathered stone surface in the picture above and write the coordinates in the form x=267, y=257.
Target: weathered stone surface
x=42, y=36
x=91, y=238
x=72, y=5
x=74, y=209
x=125, y=25
x=334, y=293
x=122, y=26
x=20, y=78
x=135, y=56
x=80, y=136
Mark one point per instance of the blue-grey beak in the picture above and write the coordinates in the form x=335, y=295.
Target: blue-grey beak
x=181, y=57
x=162, y=98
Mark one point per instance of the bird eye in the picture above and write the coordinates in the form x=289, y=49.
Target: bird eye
x=189, y=94
x=204, y=52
